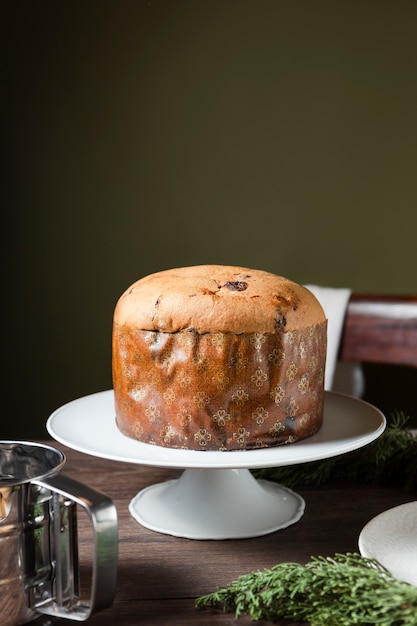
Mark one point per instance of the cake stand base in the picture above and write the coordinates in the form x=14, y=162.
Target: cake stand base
x=216, y=504
x=216, y=497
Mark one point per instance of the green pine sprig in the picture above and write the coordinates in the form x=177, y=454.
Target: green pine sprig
x=389, y=460
x=343, y=590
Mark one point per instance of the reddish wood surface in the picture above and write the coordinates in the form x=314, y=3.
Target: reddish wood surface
x=381, y=329
x=159, y=576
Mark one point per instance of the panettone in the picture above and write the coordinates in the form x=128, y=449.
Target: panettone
x=214, y=357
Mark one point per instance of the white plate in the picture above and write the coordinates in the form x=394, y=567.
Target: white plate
x=391, y=538
x=88, y=425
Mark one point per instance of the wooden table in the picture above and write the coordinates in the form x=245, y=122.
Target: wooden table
x=160, y=576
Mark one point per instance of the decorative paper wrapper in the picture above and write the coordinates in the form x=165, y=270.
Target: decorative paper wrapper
x=219, y=391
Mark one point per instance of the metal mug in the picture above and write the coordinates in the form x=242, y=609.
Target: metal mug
x=39, y=557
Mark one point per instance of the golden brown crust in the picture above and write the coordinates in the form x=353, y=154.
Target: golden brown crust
x=217, y=298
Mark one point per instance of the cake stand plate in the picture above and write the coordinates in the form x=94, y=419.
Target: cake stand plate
x=216, y=497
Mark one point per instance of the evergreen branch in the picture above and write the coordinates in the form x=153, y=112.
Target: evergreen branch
x=389, y=460
x=340, y=591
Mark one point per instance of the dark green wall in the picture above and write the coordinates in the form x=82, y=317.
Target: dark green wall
x=149, y=134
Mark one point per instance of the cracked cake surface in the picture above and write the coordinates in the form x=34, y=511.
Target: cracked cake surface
x=218, y=298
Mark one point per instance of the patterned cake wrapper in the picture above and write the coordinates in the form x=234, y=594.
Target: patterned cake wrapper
x=219, y=391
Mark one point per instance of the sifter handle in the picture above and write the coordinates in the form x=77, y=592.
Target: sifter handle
x=64, y=600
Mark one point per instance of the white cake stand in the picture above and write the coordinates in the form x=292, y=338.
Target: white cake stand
x=216, y=497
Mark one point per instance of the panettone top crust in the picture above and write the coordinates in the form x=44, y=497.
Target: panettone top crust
x=217, y=298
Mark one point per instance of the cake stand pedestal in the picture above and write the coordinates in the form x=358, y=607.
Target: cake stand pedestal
x=216, y=496
x=216, y=504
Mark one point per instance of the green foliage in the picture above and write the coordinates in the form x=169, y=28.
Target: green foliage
x=344, y=590
x=389, y=460
x=347, y=589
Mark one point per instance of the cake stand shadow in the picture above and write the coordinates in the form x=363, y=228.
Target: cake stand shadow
x=216, y=496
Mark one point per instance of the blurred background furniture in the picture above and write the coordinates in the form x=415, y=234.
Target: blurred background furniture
x=380, y=331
